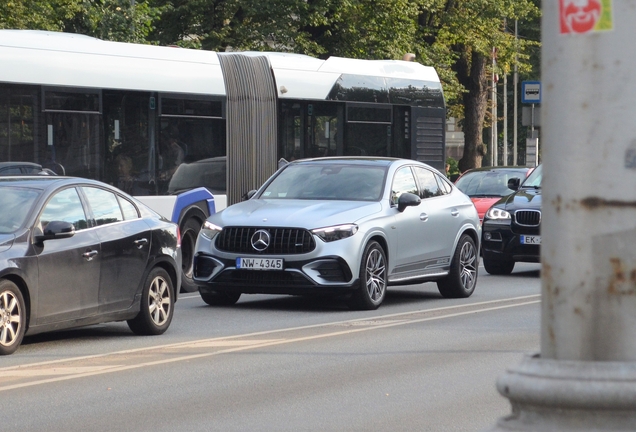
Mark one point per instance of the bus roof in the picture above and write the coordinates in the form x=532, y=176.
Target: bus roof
x=65, y=59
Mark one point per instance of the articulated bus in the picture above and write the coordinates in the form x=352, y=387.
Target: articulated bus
x=188, y=132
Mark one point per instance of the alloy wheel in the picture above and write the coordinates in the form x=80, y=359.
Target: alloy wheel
x=10, y=313
x=159, y=301
x=468, y=265
x=376, y=275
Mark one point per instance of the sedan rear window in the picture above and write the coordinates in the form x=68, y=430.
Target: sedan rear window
x=15, y=204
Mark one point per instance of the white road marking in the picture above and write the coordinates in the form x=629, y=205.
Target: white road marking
x=231, y=344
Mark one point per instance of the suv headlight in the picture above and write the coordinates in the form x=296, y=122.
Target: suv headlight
x=209, y=230
x=337, y=232
x=497, y=214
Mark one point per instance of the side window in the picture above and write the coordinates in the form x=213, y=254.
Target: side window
x=12, y=171
x=104, y=205
x=64, y=206
x=428, y=185
x=402, y=182
x=444, y=185
x=130, y=211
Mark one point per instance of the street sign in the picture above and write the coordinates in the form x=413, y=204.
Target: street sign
x=531, y=92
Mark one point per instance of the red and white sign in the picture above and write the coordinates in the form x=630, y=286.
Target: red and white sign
x=584, y=16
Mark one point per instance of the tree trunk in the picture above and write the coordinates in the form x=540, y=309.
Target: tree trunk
x=473, y=76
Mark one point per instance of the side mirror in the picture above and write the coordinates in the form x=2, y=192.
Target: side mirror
x=249, y=195
x=408, y=199
x=514, y=183
x=56, y=230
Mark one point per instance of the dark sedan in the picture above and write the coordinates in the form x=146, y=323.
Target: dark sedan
x=76, y=252
x=512, y=227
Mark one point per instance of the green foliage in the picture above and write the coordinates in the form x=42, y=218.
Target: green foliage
x=453, y=166
x=118, y=20
x=115, y=20
x=359, y=29
x=452, y=31
x=37, y=14
x=457, y=37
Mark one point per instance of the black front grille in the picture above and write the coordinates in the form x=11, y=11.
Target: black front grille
x=528, y=217
x=282, y=241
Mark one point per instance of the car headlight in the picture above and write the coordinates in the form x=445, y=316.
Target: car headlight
x=497, y=214
x=337, y=232
x=209, y=230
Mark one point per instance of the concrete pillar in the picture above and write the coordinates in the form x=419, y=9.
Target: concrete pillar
x=584, y=378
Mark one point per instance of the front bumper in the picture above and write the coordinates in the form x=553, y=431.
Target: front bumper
x=502, y=242
x=324, y=275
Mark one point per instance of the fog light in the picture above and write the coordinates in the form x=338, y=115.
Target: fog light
x=487, y=236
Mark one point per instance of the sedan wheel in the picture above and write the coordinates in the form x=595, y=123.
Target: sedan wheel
x=462, y=277
x=12, y=317
x=157, y=305
x=372, y=291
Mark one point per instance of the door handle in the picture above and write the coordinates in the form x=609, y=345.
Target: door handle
x=88, y=255
x=140, y=242
x=454, y=212
x=423, y=217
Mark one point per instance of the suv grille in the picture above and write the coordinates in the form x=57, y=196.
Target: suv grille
x=282, y=241
x=528, y=217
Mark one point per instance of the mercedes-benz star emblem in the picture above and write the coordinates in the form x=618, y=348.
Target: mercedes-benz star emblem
x=260, y=240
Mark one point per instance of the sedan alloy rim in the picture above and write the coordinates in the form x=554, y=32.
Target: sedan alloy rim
x=9, y=318
x=467, y=263
x=159, y=301
x=376, y=281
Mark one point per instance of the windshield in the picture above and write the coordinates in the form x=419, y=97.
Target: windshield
x=488, y=183
x=534, y=179
x=327, y=182
x=15, y=204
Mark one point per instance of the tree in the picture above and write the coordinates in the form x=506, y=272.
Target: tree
x=458, y=37
x=37, y=14
x=353, y=28
x=117, y=20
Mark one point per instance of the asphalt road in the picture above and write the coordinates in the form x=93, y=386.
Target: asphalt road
x=280, y=363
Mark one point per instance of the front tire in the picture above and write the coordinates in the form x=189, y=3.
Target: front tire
x=462, y=278
x=189, y=233
x=220, y=298
x=12, y=317
x=157, y=305
x=373, y=279
x=498, y=267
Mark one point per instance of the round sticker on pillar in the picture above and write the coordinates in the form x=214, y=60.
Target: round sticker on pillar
x=585, y=16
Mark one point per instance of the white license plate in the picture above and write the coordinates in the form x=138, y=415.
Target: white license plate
x=259, y=263
x=530, y=240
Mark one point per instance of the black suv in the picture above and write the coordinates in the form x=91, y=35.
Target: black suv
x=511, y=231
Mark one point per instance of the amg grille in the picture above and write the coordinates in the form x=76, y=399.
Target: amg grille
x=282, y=241
x=528, y=217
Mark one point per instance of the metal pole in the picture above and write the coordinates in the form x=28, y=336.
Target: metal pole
x=493, y=154
x=505, y=112
x=515, y=83
x=584, y=378
x=505, y=120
